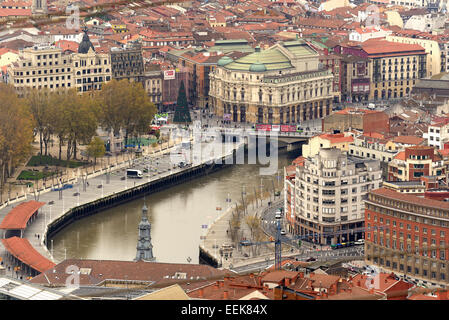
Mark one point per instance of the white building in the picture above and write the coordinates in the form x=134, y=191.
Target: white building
x=329, y=191
x=437, y=134
x=363, y=34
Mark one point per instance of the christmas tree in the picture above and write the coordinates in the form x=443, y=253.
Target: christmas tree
x=182, y=112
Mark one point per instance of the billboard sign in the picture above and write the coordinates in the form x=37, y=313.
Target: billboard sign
x=275, y=127
x=263, y=127
x=227, y=116
x=169, y=74
x=288, y=128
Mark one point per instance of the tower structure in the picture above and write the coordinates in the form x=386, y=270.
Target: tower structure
x=144, y=246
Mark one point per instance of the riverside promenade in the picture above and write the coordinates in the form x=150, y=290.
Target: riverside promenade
x=217, y=234
x=87, y=188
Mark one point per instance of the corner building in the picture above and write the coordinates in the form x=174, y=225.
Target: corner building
x=329, y=190
x=282, y=84
x=414, y=237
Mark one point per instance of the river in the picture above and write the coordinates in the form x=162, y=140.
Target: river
x=177, y=215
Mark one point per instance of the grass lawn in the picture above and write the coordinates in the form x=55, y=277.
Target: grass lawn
x=34, y=175
x=50, y=161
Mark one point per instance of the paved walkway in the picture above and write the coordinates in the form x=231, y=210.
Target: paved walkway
x=96, y=187
x=216, y=235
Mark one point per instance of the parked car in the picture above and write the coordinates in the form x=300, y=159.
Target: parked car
x=310, y=259
x=283, y=232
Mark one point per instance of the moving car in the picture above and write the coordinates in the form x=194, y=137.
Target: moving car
x=283, y=232
x=360, y=242
x=132, y=173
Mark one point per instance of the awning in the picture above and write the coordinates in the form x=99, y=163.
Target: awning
x=18, y=217
x=23, y=250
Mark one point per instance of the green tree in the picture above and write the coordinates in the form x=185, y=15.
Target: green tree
x=140, y=111
x=125, y=105
x=96, y=149
x=16, y=131
x=182, y=112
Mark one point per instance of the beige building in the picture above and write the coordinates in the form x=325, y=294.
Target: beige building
x=282, y=84
x=153, y=86
x=339, y=140
x=47, y=67
x=8, y=56
x=90, y=70
x=431, y=47
x=41, y=67
x=329, y=191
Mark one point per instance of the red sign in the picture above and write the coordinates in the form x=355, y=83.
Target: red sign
x=288, y=128
x=263, y=127
x=275, y=127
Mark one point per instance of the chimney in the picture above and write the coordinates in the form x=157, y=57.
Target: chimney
x=311, y=275
x=251, y=275
x=358, y=283
x=217, y=285
x=221, y=284
x=225, y=295
x=201, y=293
x=287, y=282
x=301, y=275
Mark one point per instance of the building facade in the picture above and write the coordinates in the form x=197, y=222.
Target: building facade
x=127, y=62
x=46, y=66
x=329, y=191
x=416, y=162
x=282, y=84
x=41, y=67
x=409, y=235
x=90, y=70
x=437, y=133
x=363, y=120
x=153, y=84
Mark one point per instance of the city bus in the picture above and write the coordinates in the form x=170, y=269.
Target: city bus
x=131, y=173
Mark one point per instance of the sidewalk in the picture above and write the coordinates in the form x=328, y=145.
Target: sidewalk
x=50, y=213
x=217, y=235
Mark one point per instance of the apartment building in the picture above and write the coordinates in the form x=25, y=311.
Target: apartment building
x=394, y=68
x=127, y=62
x=409, y=235
x=429, y=43
x=46, y=66
x=153, y=85
x=437, y=133
x=329, y=190
x=416, y=162
x=90, y=70
x=41, y=67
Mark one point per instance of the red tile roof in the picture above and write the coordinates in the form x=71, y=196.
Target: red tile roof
x=18, y=217
x=14, y=12
x=430, y=203
x=336, y=138
x=375, y=47
x=408, y=140
x=23, y=250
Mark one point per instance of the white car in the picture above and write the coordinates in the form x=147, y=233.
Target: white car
x=360, y=242
x=283, y=232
